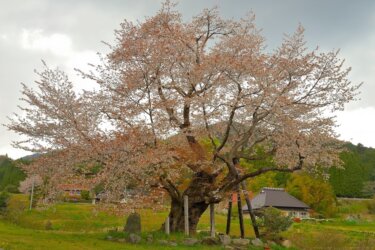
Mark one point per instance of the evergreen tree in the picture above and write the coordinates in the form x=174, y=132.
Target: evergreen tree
x=358, y=175
x=10, y=175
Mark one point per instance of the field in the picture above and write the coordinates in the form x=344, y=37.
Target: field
x=83, y=226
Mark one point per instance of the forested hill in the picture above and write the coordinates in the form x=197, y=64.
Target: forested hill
x=357, y=179
x=10, y=175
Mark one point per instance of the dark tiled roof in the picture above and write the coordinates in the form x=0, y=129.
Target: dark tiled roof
x=74, y=187
x=275, y=197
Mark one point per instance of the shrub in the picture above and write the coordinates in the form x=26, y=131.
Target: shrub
x=274, y=222
x=4, y=196
x=371, y=206
x=314, y=191
x=85, y=195
x=11, y=189
x=16, y=205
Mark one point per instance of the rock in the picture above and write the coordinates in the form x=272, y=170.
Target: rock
x=257, y=242
x=149, y=238
x=109, y=237
x=286, y=243
x=133, y=238
x=241, y=242
x=210, y=241
x=133, y=223
x=271, y=243
x=190, y=241
x=163, y=242
x=224, y=239
x=121, y=240
x=228, y=247
x=173, y=244
x=167, y=243
x=237, y=247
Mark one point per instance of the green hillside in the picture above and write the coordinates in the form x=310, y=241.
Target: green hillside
x=357, y=178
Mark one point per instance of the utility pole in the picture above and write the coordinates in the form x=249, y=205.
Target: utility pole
x=32, y=193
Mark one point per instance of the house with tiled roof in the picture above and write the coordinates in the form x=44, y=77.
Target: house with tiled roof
x=72, y=191
x=280, y=199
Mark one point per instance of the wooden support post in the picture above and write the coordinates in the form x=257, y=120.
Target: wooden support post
x=250, y=209
x=186, y=213
x=166, y=225
x=240, y=217
x=229, y=216
x=212, y=219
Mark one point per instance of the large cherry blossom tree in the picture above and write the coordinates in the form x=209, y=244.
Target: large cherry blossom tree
x=188, y=106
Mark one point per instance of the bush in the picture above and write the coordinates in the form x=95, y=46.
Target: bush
x=85, y=195
x=16, y=205
x=4, y=196
x=11, y=189
x=313, y=191
x=371, y=206
x=274, y=222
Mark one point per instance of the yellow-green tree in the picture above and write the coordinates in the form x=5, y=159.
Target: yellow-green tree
x=314, y=191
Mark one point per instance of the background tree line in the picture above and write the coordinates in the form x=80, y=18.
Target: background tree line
x=356, y=179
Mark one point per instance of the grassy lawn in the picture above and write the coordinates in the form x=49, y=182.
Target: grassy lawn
x=84, y=226
x=15, y=237
x=69, y=217
x=81, y=217
x=331, y=235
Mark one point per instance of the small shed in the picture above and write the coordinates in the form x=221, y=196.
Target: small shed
x=280, y=199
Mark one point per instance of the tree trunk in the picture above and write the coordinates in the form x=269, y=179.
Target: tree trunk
x=176, y=215
x=198, y=192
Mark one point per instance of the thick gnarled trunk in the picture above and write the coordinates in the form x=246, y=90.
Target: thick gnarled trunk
x=176, y=216
x=198, y=193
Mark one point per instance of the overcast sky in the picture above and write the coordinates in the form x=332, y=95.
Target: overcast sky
x=68, y=34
